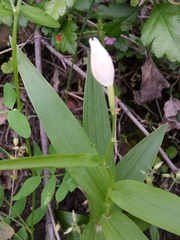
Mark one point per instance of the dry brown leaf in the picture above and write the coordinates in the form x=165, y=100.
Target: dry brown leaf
x=3, y=117
x=152, y=83
x=172, y=114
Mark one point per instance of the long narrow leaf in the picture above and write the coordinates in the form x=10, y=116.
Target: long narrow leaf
x=118, y=226
x=153, y=205
x=64, y=131
x=140, y=157
x=95, y=115
x=58, y=161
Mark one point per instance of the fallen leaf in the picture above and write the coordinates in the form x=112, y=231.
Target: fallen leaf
x=172, y=114
x=152, y=83
x=3, y=117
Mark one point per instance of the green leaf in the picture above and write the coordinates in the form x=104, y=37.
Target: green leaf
x=9, y=96
x=18, y=207
x=1, y=195
x=7, y=67
x=58, y=161
x=38, y=16
x=93, y=231
x=172, y=152
x=153, y=205
x=66, y=221
x=154, y=232
x=70, y=182
x=19, y=123
x=62, y=192
x=28, y=187
x=65, y=40
x=38, y=215
x=162, y=30
x=95, y=115
x=119, y=11
x=6, y=232
x=63, y=130
x=37, y=152
x=56, y=8
x=22, y=234
x=140, y=157
x=48, y=192
x=4, y=12
x=118, y=226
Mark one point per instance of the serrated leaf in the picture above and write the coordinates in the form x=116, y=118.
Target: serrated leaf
x=162, y=29
x=48, y=192
x=19, y=123
x=155, y=206
x=38, y=215
x=67, y=40
x=28, y=187
x=9, y=95
x=118, y=226
x=18, y=207
x=56, y=8
x=6, y=232
x=38, y=16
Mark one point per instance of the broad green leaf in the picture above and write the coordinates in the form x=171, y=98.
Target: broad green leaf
x=95, y=182
x=1, y=195
x=118, y=226
x=154, y=233
x=18, y=207
x=162, y=30
x=38, y=16
x=19, y=123
x=28, y=187
x=65, y=40
x=58, y=8
x=95, y=115
x=22, y=234
x=63, y=130
x=153, y=205
x=9, y=96
x=140, y=223
x=38, y=215
x=62, y=192
x=7, y=67
x=70, y=182
x=4, y=12
x=93, y=231
x=140, y=157
x=6, y=232
x=119, y=11
x=58, y=161
x=48, y=192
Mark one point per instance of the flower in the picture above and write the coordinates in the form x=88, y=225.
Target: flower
x=101, y=63
x=109, y=41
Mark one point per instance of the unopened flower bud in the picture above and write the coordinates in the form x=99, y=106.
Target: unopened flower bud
x=101, y=63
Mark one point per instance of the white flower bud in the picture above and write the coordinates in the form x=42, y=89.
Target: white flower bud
x=101, y=63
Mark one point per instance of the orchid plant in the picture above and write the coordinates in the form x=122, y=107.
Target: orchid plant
x=121, y=206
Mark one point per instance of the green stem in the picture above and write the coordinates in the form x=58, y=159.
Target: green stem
x=6, y=153
x=75, y=54
x=14, y=53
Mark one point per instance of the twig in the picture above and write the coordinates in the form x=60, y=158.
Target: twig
x=50, y=223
